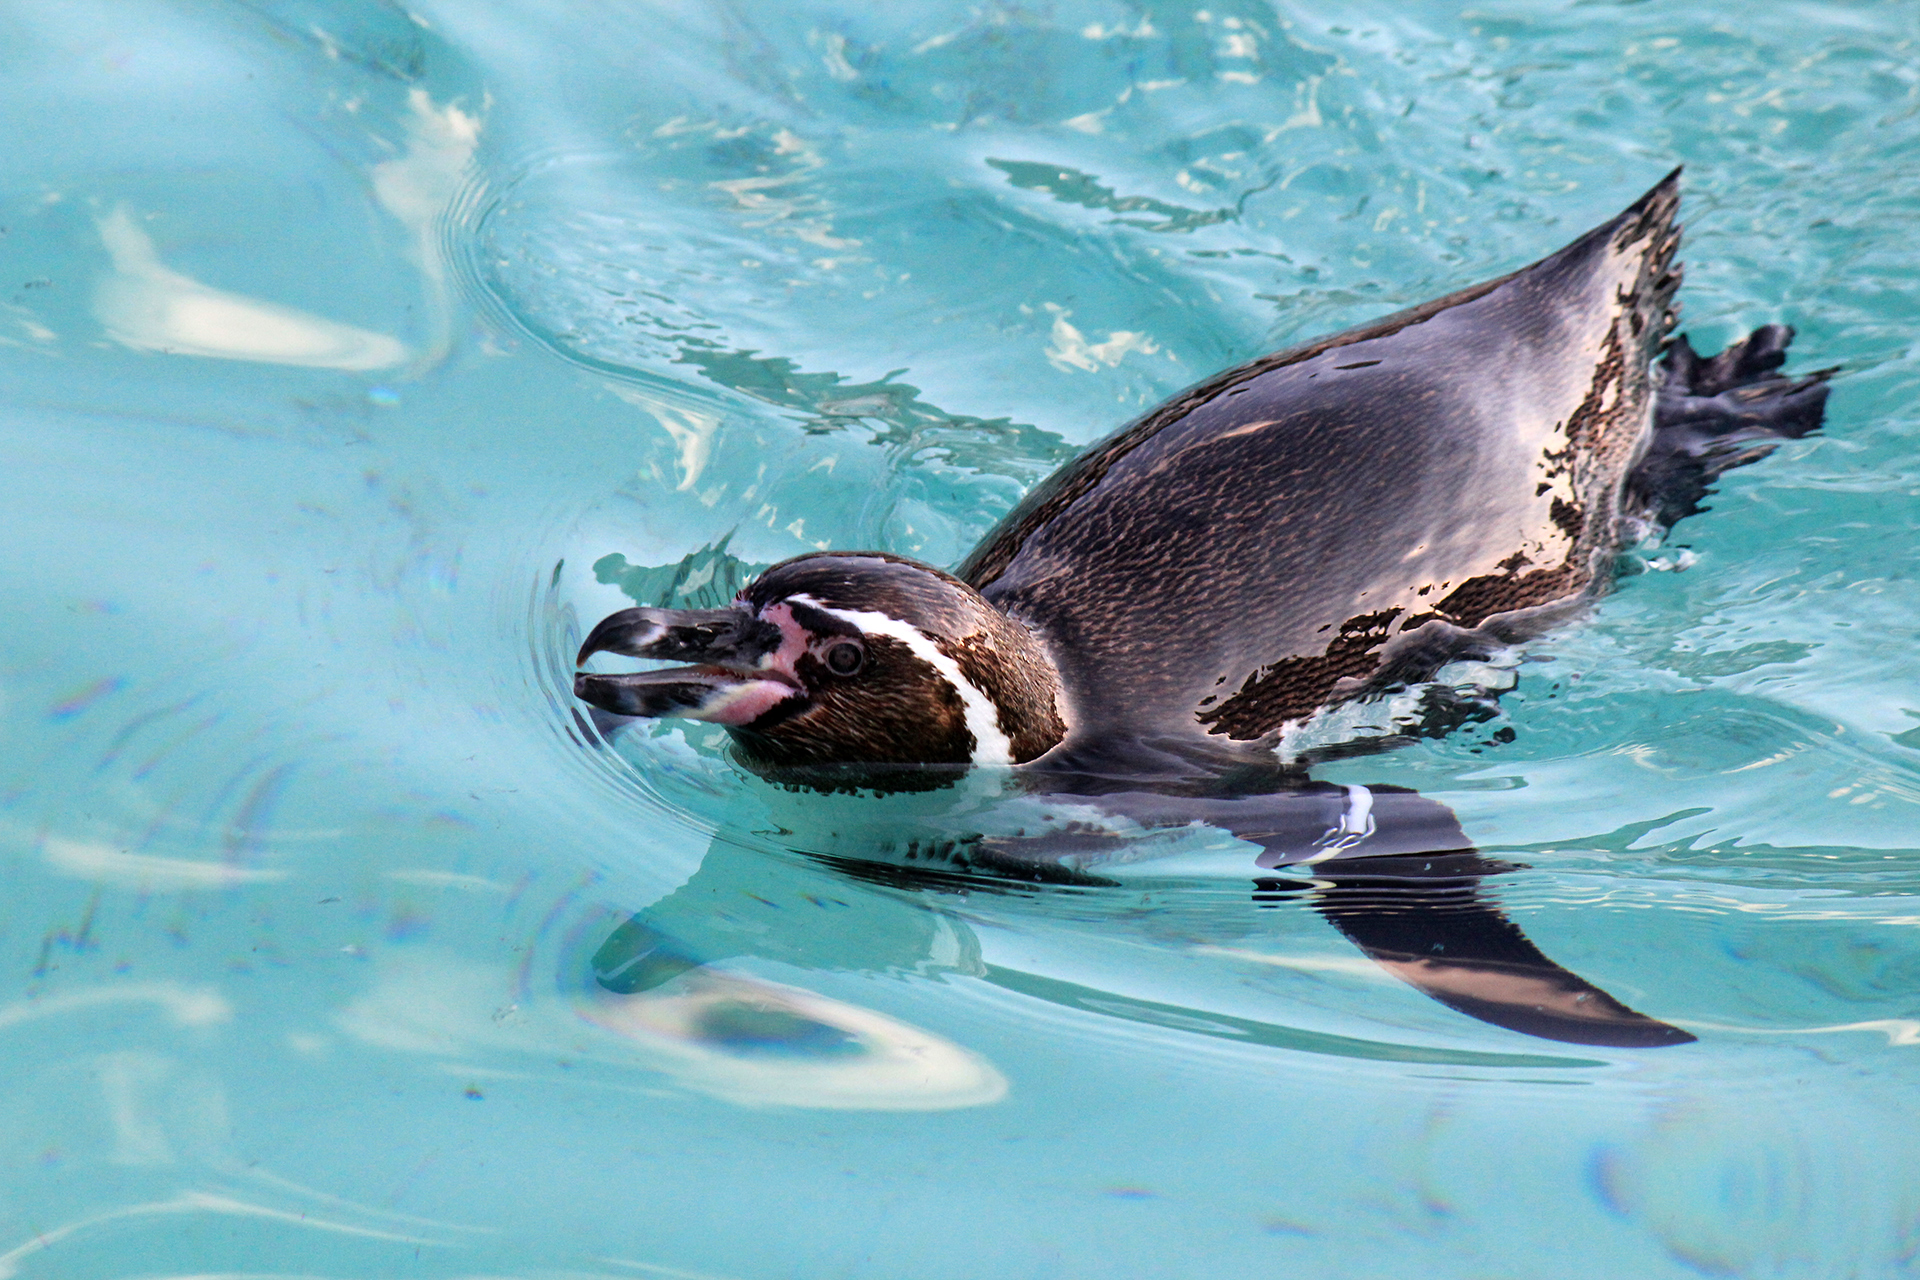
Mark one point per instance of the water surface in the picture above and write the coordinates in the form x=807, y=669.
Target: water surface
x=357, y=355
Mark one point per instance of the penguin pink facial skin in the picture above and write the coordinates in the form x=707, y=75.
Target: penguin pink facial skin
x=843, y=658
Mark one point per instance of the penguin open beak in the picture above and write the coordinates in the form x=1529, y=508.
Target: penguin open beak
x=731, y=682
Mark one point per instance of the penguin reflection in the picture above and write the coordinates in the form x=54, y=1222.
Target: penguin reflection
x=1172, y=627
x=1423, y=917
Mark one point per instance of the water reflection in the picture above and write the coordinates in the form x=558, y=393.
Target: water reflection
x=746, y=903
x=149, y=307
x=227, y=569
x=754, y=1042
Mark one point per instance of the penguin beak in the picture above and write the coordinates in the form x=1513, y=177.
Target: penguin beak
x=731, y=682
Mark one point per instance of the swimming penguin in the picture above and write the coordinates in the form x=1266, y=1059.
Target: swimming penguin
x=1159, y=627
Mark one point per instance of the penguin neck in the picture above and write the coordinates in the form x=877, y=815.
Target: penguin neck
x=1007, y=666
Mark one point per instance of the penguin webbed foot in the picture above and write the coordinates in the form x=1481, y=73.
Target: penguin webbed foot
x=1753, y=359
x=1715, y=413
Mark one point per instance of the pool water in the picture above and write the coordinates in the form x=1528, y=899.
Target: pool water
x=357, y=356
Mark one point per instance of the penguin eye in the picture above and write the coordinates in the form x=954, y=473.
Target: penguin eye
x=845, y=658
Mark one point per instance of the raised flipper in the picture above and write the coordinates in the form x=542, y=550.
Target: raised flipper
x=1427, y=921
x=1717, y=413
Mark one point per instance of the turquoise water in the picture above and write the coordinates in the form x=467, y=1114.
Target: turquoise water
x=355, y=356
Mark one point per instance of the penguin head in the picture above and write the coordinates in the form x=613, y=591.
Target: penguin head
x=839, y=659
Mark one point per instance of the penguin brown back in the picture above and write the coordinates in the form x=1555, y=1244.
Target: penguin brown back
x=1261, y=544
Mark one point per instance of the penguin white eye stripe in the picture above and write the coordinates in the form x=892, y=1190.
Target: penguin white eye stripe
x=990, y=745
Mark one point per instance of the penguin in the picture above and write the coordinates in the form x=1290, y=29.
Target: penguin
x=1172, y=626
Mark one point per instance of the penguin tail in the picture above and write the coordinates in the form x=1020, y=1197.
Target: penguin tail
x=1714, y=413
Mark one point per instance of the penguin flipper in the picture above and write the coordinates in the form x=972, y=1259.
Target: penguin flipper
x=1714, y=413
x=1426, y=920
x=1393, y=872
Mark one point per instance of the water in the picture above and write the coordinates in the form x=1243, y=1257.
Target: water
x=356, y=355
